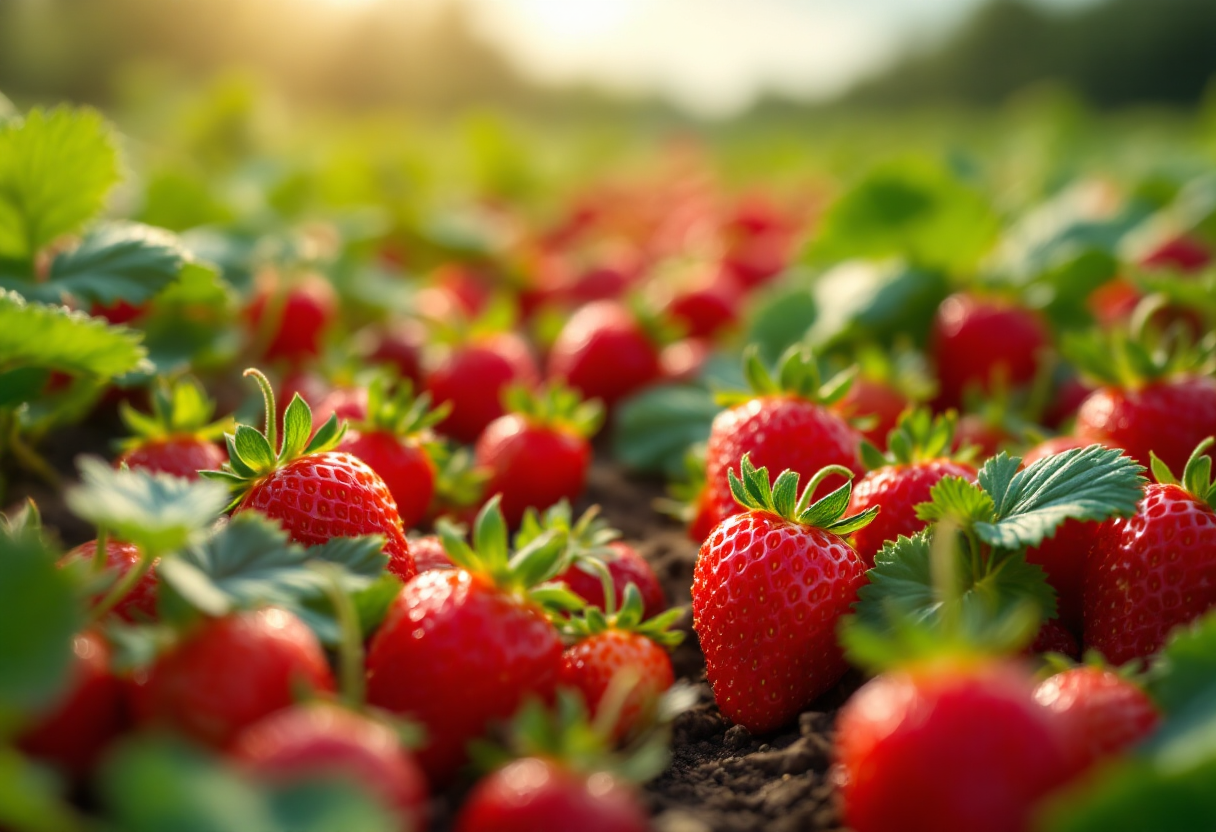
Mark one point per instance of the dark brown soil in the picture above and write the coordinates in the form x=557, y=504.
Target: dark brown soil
x=721, y=779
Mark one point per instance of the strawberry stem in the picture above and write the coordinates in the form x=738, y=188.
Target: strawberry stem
x=99, y=554
x=350, y=645
x=272, y=430
x=822, y=474
x=123, y=587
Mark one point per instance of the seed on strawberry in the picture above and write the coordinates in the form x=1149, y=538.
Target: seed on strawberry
x=450, y=632
x=1156, y=570
x=918, y=457
x=539, y=451
x=784, y=423
x=231, y=672
x=74, y=731
x=769, y=588
x=320, y=739
x=178, y=436
x=1106, y=712
x=315, y=493
x=394, y=438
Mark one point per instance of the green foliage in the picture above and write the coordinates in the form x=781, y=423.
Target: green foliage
x=558, y=406
x=157, y=512
x=867, y=302
x=918, y=436
x=191, y=323
x=653, y=430
x=34, y=336
x=180, y=408
x=30, y=799
x=910, y=208
x=753, y=490
x=1196, y=477
x=56, y=168
x=539, y=559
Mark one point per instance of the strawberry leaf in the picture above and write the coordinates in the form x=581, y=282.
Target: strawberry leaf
x=1185, y=669
x=1092, y=483
x=38, y=617
x=30, y=800
x=190, y=323
x=157, y=512
x=115, y=261
x=56, y=168
x=33, y=335
x=653, y=430
x=957, y=500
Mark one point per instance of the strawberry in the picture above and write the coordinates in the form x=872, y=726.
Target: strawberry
x=618, y=644
x=901, y=479
x=768, y=590
x=230, y=672
x=539, y=795
x=319, y=739
x=947, y=748
x=119, y=312
x=874, y=400
x=539, y=451
x=1182, y=253
x=290, y=319
x=450, y=632
x=348, y=404
x=315, y=493
x=593, y=547
x=1107, y=712
x=178, y=437
x=139, y=604
x=472, y=377
x=1053, y=637
x=977, y=342
x=399, y=347
x=1157, y=397
x=605, y=353
x=705, y=303
x=1156, y=570
x=429, y=553
x=77, y=727
x=783, y=423
x=392, y=438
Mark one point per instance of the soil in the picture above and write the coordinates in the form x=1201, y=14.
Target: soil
x=721, y=778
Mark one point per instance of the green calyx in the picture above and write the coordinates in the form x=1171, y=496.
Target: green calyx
x=1196, y=477
x=587, y=537
x=179, y=409
x=459, y=483
x=797, y=375
x=627, y=618
x=1137, y=355
x=392, y=407
x=556, y=406
x=918, y=436
x=252, y=454
x=521, y=570
x=753, y=491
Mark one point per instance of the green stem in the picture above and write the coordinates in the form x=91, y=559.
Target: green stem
x=605, y=575
x=99, y=555
x=32, y=461
x=124, y=586
x=272, y=419
x=350, y=645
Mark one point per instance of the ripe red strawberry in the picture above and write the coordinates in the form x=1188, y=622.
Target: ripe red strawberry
x=948, y=749
x=320, y=739
x=1183, y=253
x=450, y=632
x=473, y=376
x=976, y=341
x=400, y=347
x=393, y=438
x=539, y=452
x=140, y=603
x=77, y=727
x=705, y=302
x=899, y=481
x=429, y=553
x=617, y=647
x=538, y=795
x=874, y=400
x=684, y=360
x=178, y=436
x=783, y=423
x=982, y=432
x=1156, y=570
x=768, y=590
x=1167, y=417
x=289, y=320
x=119, y=312
x=1053, y=637
x=604, y=353
x=1107, y=712
x=1063, y=557
x=315, y=493
x=230, y=672
x=348, y=404
x=593, y=547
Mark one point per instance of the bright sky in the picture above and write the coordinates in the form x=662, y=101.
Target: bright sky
x=713, y=57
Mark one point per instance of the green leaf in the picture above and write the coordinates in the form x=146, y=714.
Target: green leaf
x=253, y=449
x=157, y=512
x=1185, y=669
x=912, y=208
x=38, y=617
x=995, y=477
x=781, y=320
x=56, y=168
x=30, y=798
x=22, y=385
x=867, y=302
x=190, y=323
x=1091, y=483
x=115, y=261
x=53, y=338
x=653, y=430
x=297, y=428
x=958, y=500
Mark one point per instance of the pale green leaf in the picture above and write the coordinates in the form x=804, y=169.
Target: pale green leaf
x=51, y=337
x=118, y=261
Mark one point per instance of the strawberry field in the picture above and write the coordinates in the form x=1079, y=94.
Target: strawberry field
x=361, y=474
